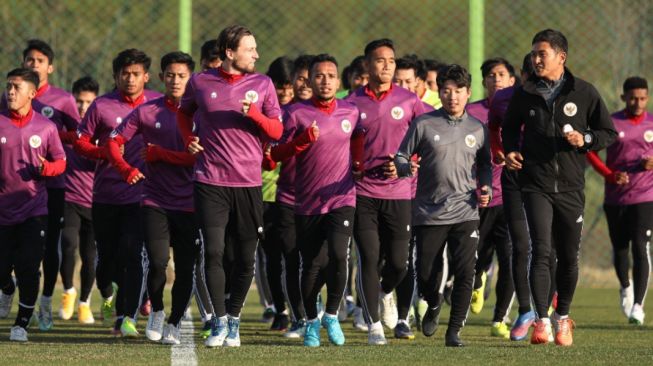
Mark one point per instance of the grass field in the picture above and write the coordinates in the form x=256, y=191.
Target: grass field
x=602, y=336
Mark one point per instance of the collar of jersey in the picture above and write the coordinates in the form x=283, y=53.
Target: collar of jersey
x=40, y=91
x=324, y=107
x=229, y=78
x=372, y=95
x=18, y=120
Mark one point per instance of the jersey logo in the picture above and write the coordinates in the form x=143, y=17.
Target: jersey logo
x=470, y=141
x=47, y=111
x=346, y=223
x=345, y=125
x=214, y=95
x=622, y=134
x=648, y=136
x=3, y=140
x=474, y=234
x=436, y=138
x=251, y=96
x=397, y=113
x=363, y=115
x=35, y=141
x=579, y=219
x=118, y=120
x=570, y=109
x=531, y=113
x=157, y=125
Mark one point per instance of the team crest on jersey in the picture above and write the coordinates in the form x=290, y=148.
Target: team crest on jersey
x=363, y=115
x=346, y=223
x=346, y=125
x=119, y=120
x=35, y=141
x=397, y=112
x=436, y=138
x=622, y=134
x=251, y=96
x=157, y=125
x=3, y=140
x=47, y=111
x=648, y=136
x=470, y=141
x=570, y=109
x=214, y=95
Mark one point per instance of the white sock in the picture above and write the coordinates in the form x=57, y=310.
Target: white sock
x=207, y=318
x=546, y=321
x=375, y=326
x=70, y=291
x=330, y=315
x=87, y=302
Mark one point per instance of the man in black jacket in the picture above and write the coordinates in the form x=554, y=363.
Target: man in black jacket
x=562, y=118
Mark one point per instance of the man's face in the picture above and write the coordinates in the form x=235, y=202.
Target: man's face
x=454, y=98
x=381, y=65
x=40, y=63
x=84, y=100
x=547, y=62
x=19, y=93
x=211, y=64
x=324, y=80
x=244, y=57
x=357, y=80
x=284, y=93
x=406, y=79
x=636, y=100
x=301, y=85
x=175, y=77
x=498, y=78
x=431, y=80
x=132, y=79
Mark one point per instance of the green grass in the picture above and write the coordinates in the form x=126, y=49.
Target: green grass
x=602, y=336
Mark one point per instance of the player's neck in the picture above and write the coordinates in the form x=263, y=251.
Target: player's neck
x=379, y=88
x=228, y=67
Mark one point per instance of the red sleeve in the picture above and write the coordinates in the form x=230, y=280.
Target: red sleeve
x=68, y=137
x=267, y=163
x=116, y=159
x=53, y=168
x=271, y=127
x=157, y=153
x=600, y=167
x=85, y=148
x=185, y=125
x=357, y=147
x=496, y=146
x=302, y=142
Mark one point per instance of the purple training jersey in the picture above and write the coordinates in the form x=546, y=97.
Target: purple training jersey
x=480, y=110
x=102, y=117
x=167, y=186
x=232, y=142
x=79, y=179
x=286, y=181
x=384, y=123
x=324, y=180
x=22, y=189
x=635, y=141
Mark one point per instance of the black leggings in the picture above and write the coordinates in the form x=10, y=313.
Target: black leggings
x=564, y=212
x=241, y=209
x=462, y=241
x=382, y=233
x=51, y=257
x=121, y=254
x=78, y=232
x=22, y=246
x=323, y=242
x=631, y=224
x=164, y=229
x=406, y=288
x=494, y=236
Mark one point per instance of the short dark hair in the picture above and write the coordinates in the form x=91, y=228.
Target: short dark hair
x=28, y=75
x=344, y=76
x=527, y=64
x=209, y=51
x=280, y=71
x=490, y=63
x=177, y=57
x=302, y=62
x=230, y=38
x=555, y=38
x=130, y=57
x=378, y=43
x=635, y=82
x=323, y=57
x=433, y=65
x=357, y=65
x=87, y=84
x=456, y=73
x=412, y=62
x=41, y=46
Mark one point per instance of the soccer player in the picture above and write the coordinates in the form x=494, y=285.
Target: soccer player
x=235, y=110
x=78, y=222
x=497, y=74
x=116, y=204
x=167, y=205
x=431, y=96
x=30, y=149
x=629, y=195
x=455, y=152
x=562, y=118
x=209, y=57
x=325, y=195
x=382, y=224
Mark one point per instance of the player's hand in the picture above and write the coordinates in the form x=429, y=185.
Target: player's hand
x=194, y=146
x=42, y=166
x=647, y=162
x=575, y=139
x=514, y=160
x=484, y=196
x=315, y=131
x=389, y=168
x=246, y=104
x=414, y=165
x=500, y=158
x=122, y=149
x=136, y=178
x=621, y=178
x=356, y=171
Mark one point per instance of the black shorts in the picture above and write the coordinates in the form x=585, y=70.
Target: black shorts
x=385, y=216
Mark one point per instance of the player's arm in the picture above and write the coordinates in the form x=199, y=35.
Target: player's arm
x=484, y=170
x=400, y=165
x=119, y=137
x=55, y=150
x=155, y=153
x=511, y=132
x=85, y=131
x=601, y=128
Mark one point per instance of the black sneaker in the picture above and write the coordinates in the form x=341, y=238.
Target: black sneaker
x=402, y=331
x=268, y=315
x=452, y=339
x=280, y=322
x=431, y=321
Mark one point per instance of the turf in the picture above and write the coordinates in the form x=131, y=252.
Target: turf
x=602, y=336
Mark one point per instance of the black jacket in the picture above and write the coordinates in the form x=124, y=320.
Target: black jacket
x=551, y=164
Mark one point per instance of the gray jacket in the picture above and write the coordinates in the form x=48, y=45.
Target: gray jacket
x=455, y=153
